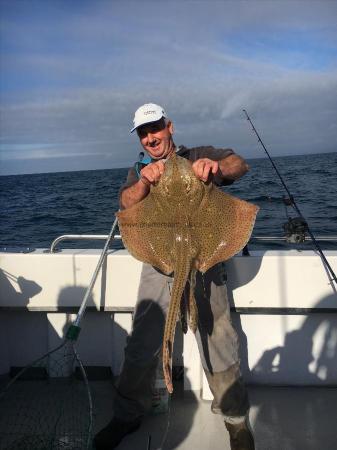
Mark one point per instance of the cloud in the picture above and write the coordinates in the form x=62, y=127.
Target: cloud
x=73, y=77
x=301, y=106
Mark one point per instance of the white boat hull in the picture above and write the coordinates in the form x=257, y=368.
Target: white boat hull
x=285, y=311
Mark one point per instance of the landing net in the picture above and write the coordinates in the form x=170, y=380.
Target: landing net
x=47, y=405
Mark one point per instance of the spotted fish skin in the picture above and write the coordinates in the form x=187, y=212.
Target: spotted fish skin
x=182, y=226
x=182, y=269
x=184, y=251
x=192, y=306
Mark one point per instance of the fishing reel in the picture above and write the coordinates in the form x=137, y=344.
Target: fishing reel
x=295, y=230
x=296, y=227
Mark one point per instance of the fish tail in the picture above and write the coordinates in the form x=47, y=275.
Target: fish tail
x=192, y=305
x=180, y=277
x=183, y=314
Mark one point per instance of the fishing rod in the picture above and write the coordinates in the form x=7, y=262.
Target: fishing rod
x=292, y=202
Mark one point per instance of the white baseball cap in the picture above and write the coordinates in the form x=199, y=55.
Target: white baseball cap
x=150, y=112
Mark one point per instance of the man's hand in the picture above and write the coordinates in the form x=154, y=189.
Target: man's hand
x=151, y=173
x=203, y=167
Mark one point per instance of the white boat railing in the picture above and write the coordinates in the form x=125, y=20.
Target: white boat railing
x=93, y=237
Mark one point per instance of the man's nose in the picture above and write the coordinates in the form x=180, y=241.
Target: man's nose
x=150, y=137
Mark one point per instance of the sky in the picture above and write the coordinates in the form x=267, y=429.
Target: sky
x=72, y=74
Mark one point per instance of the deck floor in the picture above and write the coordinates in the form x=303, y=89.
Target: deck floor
x=282, y=418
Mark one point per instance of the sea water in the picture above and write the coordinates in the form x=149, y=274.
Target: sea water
x=37, y=208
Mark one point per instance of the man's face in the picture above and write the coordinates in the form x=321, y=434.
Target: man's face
x=156, y=138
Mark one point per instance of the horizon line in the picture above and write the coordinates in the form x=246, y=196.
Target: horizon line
x=128, y=167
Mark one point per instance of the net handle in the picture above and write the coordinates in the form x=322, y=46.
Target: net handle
x=93, y=279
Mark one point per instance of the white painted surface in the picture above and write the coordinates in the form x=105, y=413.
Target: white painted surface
x=288, y=279
x=193, y=370
x=287, y=350
x=265, y=279
x=43, y=280
x=120, y=331
x=281, y=349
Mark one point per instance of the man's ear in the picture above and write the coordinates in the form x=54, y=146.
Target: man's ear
x=170, y=127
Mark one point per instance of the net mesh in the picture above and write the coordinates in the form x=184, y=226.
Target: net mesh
x=47, y=405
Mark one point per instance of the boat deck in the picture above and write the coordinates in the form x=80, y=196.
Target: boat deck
x=282, y=418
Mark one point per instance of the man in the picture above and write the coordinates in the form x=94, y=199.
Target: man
x=217, y=340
